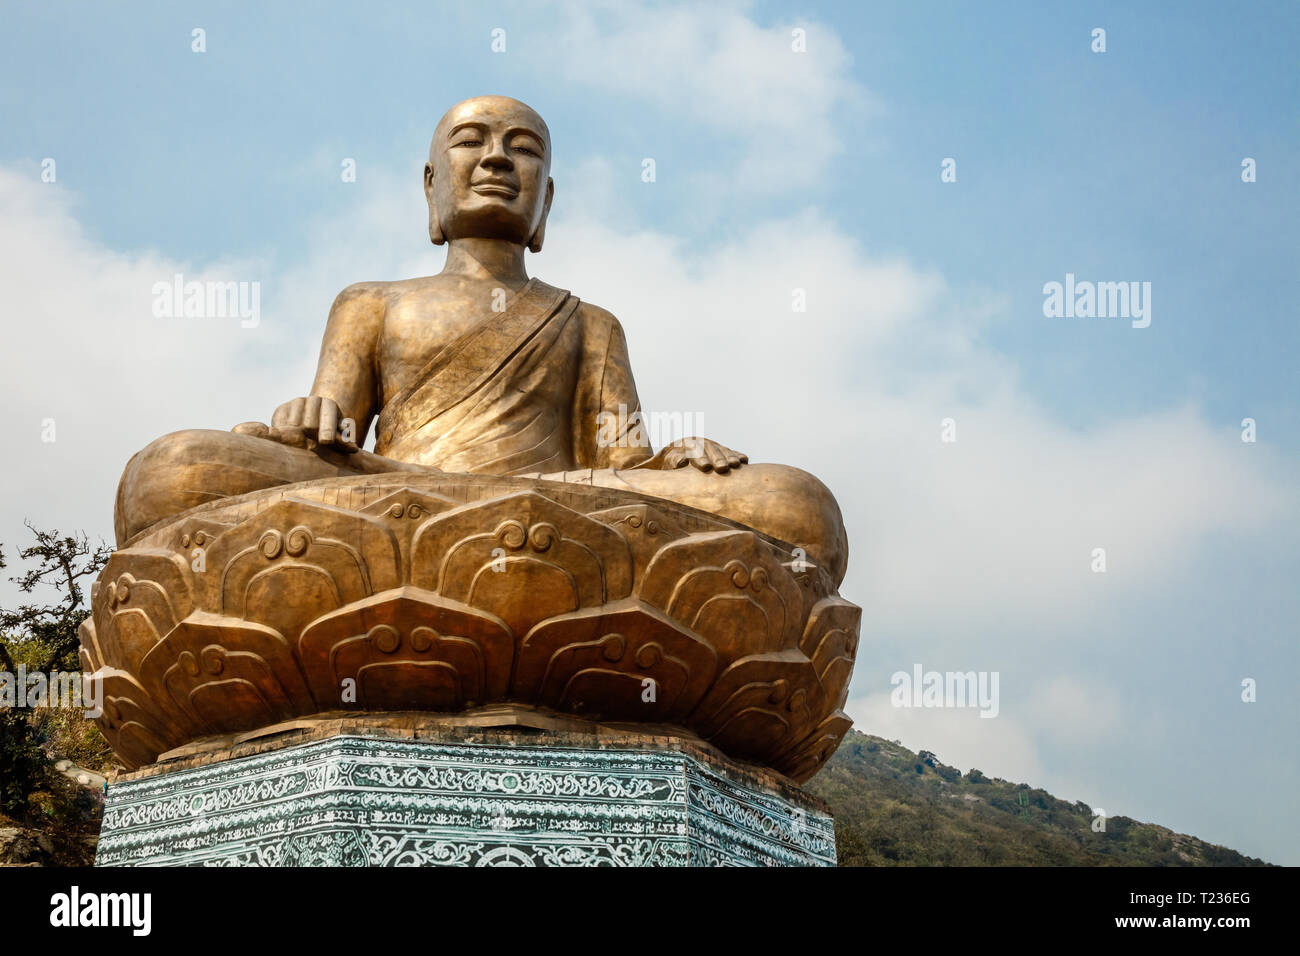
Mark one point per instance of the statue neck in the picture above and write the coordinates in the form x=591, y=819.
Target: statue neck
x=496, y=259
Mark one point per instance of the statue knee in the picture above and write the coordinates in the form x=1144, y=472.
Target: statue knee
x=778, y=500
x=152, y=487
x=812, y=518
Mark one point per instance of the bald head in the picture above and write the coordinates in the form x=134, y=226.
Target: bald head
x=491, y=106
x=488, y=174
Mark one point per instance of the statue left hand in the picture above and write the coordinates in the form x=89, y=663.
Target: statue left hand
x=703, y=453
x=309, y=422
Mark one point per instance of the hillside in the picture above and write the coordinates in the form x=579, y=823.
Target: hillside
x=897, y=808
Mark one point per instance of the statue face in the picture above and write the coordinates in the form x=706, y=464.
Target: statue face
x=488, y=172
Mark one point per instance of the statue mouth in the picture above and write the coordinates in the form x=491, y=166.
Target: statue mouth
x=495, y=189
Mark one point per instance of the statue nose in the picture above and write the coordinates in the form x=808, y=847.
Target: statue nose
x=496, y=158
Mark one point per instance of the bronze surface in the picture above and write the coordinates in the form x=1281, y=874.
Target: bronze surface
x=504, y=541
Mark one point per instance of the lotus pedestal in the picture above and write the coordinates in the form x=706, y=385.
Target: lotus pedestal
x=445, y=596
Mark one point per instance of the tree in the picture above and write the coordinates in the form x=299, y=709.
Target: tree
x=24, y=767
x=6, y=662
x=43, y=635
x=62, y=562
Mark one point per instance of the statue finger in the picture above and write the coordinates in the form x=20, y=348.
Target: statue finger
x=252, y=429
x=717, y=457
x=289, y=435
x=328, y=422
x=311, y=413
x=293, y=412
x=288, y=415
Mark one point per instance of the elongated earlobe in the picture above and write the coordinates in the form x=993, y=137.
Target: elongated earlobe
x=435, y=224
x=435, y=227
x=539, y=235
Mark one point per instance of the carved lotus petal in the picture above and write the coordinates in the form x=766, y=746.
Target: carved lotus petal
x=445, y=592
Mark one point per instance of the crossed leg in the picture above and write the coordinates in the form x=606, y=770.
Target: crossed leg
x=780, y=501
x=189, y=468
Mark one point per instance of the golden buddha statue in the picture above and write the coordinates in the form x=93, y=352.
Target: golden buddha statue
x=513, y=540
x=478, y=370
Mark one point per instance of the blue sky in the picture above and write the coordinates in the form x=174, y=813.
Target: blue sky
x=775, y=170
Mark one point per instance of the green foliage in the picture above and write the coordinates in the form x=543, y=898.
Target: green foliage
x=59, y=562
x=24, y=766
x=67, y=733
x=42, y=636
x=896, y=808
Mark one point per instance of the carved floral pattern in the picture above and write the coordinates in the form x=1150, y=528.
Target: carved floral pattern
x=362, y=801
x=438, y=593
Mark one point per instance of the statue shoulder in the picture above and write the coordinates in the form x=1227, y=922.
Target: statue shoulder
x=600, y=323
x=365, y=296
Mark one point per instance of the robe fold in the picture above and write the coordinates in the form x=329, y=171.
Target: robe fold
x=519, y=392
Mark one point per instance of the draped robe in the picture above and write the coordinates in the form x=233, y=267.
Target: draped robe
x=521, y=392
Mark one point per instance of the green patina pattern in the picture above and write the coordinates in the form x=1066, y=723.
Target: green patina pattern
x=363, y=801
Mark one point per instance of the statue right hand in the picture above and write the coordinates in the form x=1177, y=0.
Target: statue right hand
x=302, y=421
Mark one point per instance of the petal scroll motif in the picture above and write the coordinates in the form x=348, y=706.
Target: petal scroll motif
x=408, y=649
x=807, y=757
x=193, y=534
x=226, y=674
x=522, y=557
x=730, y=588
x=143, y=593
x=297, y=559
x=761, y=705
x=646, y=528
x=597, y=662
x=830, y=641
x=132, y=722
x=403, y=512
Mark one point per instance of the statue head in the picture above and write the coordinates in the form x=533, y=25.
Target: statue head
x=488, y=174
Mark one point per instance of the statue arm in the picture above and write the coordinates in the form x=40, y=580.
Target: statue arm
x=347, y=371
x=608, y=410
x=614, y=435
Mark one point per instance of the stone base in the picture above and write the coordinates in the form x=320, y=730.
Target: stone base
x=461, y=796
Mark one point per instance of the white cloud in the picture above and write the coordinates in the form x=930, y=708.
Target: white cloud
x=995, y=530
x=784, y=114
x=1074, y=713
x=83, y=347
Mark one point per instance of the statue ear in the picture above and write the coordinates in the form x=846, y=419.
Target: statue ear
x=539, y=234
x=435, y=226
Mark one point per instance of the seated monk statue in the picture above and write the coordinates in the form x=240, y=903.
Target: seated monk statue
x=478, y=369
